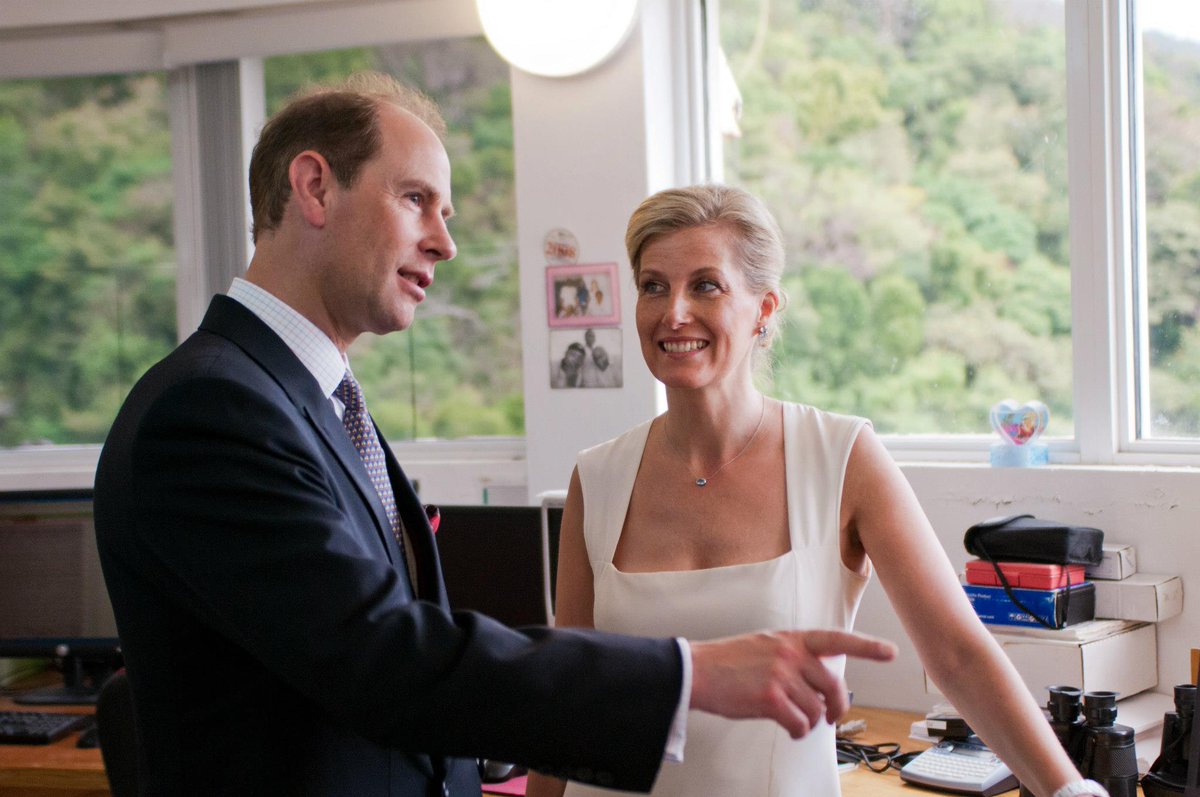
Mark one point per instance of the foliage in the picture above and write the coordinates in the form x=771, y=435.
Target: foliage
x=914, y=152
x=87, y=273
x=87, y=278
x=457, y=371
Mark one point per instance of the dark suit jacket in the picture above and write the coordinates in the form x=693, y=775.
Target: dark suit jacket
x=270, y=635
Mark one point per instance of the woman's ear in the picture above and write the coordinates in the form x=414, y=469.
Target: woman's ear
x=311, y=179
x=768, y=307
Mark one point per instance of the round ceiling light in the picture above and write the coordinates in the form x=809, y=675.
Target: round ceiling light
x=556, y=38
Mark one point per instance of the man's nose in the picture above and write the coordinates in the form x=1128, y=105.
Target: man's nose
x=439, y=244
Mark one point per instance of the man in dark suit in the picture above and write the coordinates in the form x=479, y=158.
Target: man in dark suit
x=275, y=582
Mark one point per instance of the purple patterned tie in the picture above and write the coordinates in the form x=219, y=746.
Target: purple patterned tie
x=362, y=434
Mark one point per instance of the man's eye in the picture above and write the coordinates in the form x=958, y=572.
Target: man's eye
x=416, y=199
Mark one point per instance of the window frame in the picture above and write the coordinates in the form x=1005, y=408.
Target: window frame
x=1103, y=73
x=213, y=63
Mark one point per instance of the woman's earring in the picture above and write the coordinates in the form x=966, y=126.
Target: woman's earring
x=762, y=332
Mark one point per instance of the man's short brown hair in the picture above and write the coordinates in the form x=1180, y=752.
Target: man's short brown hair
x=341, y=123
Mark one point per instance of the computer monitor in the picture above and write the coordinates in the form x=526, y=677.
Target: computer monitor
x=54, y=602
x=496, y=560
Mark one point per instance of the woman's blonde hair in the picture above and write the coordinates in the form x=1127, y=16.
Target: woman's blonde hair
x=756, y=236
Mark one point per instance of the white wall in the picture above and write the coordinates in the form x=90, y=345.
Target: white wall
x=569, y=177
x=588, y=149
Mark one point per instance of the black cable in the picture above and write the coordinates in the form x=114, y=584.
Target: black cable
x=876, y=757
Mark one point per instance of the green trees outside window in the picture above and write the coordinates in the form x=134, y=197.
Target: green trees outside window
x=457, y=371
x=87, y=267
x=1171, y=132
x=914, y=152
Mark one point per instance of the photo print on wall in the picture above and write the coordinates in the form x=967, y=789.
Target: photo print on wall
x=588, y=357
x=582, y=295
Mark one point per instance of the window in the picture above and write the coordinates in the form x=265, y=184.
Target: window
x=1170, y=337
x=915, y=155
x=457, y=371
x=87, y=268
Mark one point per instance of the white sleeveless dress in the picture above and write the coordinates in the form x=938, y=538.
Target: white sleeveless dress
x=808, y=587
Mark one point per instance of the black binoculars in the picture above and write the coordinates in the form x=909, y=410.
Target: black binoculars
x=1168, y=775
x=1101, y=749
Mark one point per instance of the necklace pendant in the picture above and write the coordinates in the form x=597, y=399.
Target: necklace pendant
x=701, y=482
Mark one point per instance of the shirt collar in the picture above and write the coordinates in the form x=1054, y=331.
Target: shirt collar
x=311, y=346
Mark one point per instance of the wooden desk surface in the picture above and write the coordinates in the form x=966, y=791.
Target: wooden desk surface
x=883, y=725
x=52, y=770
x=63, y=770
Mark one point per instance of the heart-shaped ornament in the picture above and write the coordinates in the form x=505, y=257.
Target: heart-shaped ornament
x=1018, y=423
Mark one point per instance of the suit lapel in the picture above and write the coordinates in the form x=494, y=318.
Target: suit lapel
x=430, y=586
x=230, y=319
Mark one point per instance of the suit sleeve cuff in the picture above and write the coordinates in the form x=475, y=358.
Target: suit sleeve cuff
x=678, y=733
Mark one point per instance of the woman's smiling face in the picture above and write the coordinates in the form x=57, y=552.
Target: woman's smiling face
x=696, y=318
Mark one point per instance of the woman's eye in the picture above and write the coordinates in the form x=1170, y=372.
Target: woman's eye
x=704, y=286
x=651, y=287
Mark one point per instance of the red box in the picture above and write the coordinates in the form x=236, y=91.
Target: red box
x=1026, y=575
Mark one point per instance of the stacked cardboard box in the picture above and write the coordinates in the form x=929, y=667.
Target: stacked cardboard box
x=1122, y=593
x=1104, y=636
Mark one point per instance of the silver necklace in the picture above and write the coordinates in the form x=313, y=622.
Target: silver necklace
x=702, y=480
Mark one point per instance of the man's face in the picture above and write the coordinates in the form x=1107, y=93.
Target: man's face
x=573, y=359
x=388, y=231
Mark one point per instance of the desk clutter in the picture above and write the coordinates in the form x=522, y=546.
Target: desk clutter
x=1068, y=607
x=1043, y=573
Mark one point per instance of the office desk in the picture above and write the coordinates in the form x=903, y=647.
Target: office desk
x=883, y=725
x=55, y=770
x=63, y=770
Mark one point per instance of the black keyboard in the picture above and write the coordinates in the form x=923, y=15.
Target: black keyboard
x=38, y=727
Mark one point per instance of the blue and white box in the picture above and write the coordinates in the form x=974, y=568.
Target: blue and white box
x=1054, y=606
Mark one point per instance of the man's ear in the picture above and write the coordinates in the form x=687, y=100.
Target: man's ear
x=311, y=180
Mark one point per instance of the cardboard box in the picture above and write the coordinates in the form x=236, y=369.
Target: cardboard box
x=1125, y=662
x=1120, y=561
x=994, y=607
x=1142, y=596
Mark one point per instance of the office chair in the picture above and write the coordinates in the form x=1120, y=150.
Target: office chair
x=118, y=734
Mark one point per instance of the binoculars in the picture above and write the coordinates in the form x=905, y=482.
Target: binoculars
x=1168, y=775
x=1101, y=749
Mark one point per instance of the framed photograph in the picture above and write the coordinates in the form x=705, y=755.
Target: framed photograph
x=585, y=358
x=582, y=295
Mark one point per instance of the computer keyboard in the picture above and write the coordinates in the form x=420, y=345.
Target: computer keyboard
x=38, y=727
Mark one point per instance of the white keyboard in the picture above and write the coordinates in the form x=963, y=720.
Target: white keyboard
x=960, y=767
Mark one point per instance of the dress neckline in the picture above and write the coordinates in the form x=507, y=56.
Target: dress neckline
x=787, y=452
